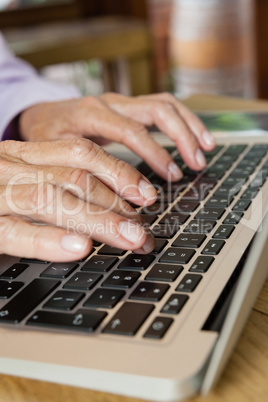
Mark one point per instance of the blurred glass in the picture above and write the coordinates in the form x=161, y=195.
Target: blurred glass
x=14, y=4
x=212, y=45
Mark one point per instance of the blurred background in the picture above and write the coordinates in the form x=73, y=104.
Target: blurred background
x=139, y=46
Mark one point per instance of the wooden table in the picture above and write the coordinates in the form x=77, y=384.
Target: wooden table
x=245, y=377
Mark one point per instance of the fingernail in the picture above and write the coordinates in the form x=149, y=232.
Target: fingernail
x=149, y=244
x=175, y=171
x=200, y=159
x=131, y=231
x=147, y=190
x=208, y=138
x=74, y=243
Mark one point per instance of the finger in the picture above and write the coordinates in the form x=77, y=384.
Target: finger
x=24, y=239
x=197, y=127
x=175, y=120
x=52, y=205
x=119, y=176
x=79, y=182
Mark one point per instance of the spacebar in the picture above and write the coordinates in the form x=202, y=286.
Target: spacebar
x=25, y=301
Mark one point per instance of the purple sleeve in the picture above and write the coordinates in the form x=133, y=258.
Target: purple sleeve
x=20, y=88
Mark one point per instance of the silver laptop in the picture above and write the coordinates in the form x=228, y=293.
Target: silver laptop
x=158, y=327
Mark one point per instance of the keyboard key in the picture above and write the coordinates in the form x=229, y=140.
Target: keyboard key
x=164, y=273
x=149, y=291
x=185, y=206
x=249, y=193
x=164, y=231
x=10, y=289
x=158, y=328
x=224, y=158
x=241, y=205
x=223, y=232
x=233, y=181
x=3, y=284
x=233, y=217
x=109, y=250
x=205, y=183
x=129, y=318
x=236, y=149
x=189, y=240
x=249, y=161
x=177, y=255
x=33, y=261
x=174, y=304
x=166, y=198
x=225, y=192
x=82, y=320
x=14, y=271
x=201, y=264
x=104, y=298
x=196, y=194
x=27, y=299
x=59, y=270
x=160, y=244
x=214, y=173
x=148, y=220
x=174, y=218
x=210, y=213
x=99, y=264
x=213, y=247
x=64, y=300
x=201, y=226
x=121, y=279
x=83, y=281
x=189, y=283
x=144, y=168
x=218, y=202
x=96, y=243
x=155, y=209
x=136, y=262
x=242, y=172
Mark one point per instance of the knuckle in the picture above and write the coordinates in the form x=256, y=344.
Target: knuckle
x=107, y=96
x=4, y=166
x=43, y=198
x=92, y=186
x=81, y=149
x=11, y=147
x=168, y=97
x=35, y=240
x=90, y=102
x=78, y=177
x=164, y=107
x=135, y=133
x=7, y=226
x=119, y=168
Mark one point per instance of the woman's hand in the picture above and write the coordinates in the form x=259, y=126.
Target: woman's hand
x=57, y=196
x=113, y=117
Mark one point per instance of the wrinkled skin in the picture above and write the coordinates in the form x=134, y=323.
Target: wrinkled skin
x=59, y=188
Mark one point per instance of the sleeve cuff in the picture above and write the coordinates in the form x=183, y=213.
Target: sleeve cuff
x=12, y=130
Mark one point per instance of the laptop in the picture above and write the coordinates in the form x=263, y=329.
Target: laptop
x=159, y=327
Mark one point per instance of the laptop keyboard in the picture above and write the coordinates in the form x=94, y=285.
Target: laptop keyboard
x=114, y=291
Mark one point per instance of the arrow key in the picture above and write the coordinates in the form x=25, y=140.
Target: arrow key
x=174, y=304
x=129, y=318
